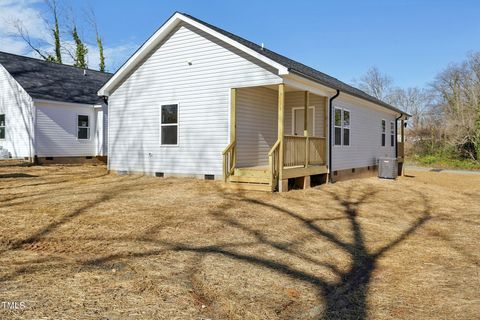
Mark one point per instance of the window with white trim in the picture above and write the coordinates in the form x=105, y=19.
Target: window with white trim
x=169, y=124
x=384, y=131
x=346, y=127
x=342, y=127
x=83, y=125
x=2, y=127
x=392, y=134
x=338, y=127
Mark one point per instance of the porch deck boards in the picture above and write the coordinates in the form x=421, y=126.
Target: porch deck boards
x=258, y=177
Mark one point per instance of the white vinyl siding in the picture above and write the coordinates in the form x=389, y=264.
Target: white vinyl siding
x=256, y=125
x=17, y=106
x=197, y=71
x=57, y=128
x=365, y=132
x=296, y=100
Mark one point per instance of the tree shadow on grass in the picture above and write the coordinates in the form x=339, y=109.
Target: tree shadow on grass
x=345, y=297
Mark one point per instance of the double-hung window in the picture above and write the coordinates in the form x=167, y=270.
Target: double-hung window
x=384, y=132
x=83, y=124
x=346, y=128
x=169, y=124
x=338, y=127
x=392, y=134
x=342, y=127
x=2, y=127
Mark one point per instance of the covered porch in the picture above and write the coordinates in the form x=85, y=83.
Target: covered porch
x=276, y=133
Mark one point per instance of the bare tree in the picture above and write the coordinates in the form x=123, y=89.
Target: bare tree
x=34, y=45
x=376, y=84
x=416, y=101
x=53, y=6
x=458, y=89
x=38, y=45
x=65, y=37
x=93, y=22
x=81, y=50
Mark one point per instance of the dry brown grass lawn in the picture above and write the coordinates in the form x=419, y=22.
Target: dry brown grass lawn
x=77, y=243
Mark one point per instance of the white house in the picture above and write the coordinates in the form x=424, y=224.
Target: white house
x=49, y=111
x=196, y=100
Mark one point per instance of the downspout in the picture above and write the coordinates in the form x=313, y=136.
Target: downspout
x=330, y=134
x=396, y=134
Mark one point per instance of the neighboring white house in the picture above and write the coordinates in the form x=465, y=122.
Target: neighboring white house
x=196, y=100
x=50, y=111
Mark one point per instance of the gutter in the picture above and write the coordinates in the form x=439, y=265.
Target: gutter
x=351, y=93
x=330, y=134
x=396, y=134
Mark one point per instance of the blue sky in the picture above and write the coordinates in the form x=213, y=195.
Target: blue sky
x=409, y=40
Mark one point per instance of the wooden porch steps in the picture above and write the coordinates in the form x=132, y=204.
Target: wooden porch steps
x=254, y=178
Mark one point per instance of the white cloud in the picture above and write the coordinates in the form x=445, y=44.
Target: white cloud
x=23, y=13
x=115, y=56
x=28, y=15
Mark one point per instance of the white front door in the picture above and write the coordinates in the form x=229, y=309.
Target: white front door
x=298, y=121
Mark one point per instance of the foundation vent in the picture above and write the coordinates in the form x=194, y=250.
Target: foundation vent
x=209, y=177
x=159, y=174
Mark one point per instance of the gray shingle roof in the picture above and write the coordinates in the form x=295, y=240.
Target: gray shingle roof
x=300, y=69
x=53, y=81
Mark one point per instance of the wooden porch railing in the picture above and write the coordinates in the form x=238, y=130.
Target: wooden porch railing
x=303, y=151
x=229, y=160
x=273, y=163
x=295, y=148
x=316, y=151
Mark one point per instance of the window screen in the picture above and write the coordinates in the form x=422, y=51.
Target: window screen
x=169, y=124
x=83, y=123
x=338, y=127
x=384, y=125
x=392, y=134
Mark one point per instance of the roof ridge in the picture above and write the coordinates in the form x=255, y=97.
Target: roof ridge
x=293, y=65
x=53, y=63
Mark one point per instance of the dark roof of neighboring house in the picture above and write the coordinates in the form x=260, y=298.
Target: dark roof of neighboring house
x=301, y=69
x=53, y=81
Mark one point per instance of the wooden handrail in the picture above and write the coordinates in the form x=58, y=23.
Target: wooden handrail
x=231, y=145
x=275, y=146
x=274, y=164
x=229, y=160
